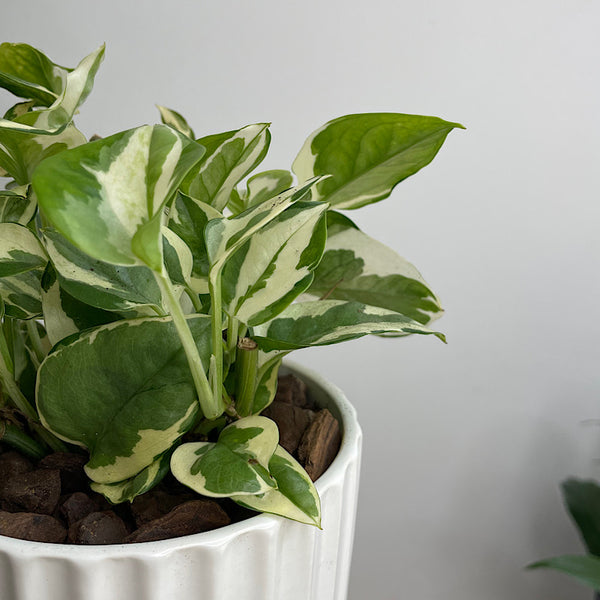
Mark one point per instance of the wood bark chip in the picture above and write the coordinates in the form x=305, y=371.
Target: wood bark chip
x=320, y=444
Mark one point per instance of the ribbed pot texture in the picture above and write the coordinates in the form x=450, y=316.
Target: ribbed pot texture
x=262, y=558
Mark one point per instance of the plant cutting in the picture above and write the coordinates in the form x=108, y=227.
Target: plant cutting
x=152, y=282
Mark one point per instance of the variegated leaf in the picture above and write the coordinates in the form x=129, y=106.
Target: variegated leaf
x=28, y=73
x=266, y=379
x=295, y=497
x=178, y=258
x=368, y=154
x=144, y=481
x=112, y=209
x=188, y=218
x=139, y=399
x=97, y=283
x=229, y=158
x=75, y=89
x=357, y=267
x=22, y=294
x=17, y=206
x=173, y=119
x=19, y=109
x=224, y=236
x=260, y=187
x=275, y=264
x=64, y=315
x=20, y=250
x=236, y=464
x=324, y=322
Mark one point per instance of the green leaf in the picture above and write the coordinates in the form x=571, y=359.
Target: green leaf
x=17, y=206
x=324, y=322
x=583, y=502
x=260, y=187
x=28, y=73
x=229, y=158
x=586, y=569
x=236, y=464
x=357, y=267
x=275, y=264
x=368, y=154
x=98, y=283
x=20, y=250
x=188, y=219
x=124, y=391
x=144, y=481
x=175, y=120
x=295, y=497
x=178, y=258
x=64, y=315
x=266, y=380
x=22, y=294
x=112, y=209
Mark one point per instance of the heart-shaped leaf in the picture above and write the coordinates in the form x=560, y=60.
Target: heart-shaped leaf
x=135, y=402
x=368, y=154
x=236, y=464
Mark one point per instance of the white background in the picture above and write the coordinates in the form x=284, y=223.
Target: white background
x=465, y=444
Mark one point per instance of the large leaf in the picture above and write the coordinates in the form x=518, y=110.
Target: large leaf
x=295, y=497
x=112, y=208
x=368, y=154
x=17, y=206
x=28, y=73
x=275, y=264
x=586, y=569
x=124, y=391
x=357, y=267
x=64, y=315
x=98, y=283
x=583, y=502
x=236, y=464
x=229, y=158
x=324, y=322
x=260, y=187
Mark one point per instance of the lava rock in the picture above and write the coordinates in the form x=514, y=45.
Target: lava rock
x=76, y=506
x=190, y=517
x=12, y=463
x=155, y=504
x=70, y=465
x=98, y=528
x=32, y=527
x=33, y=491
x=320, y=444
x=292, y=422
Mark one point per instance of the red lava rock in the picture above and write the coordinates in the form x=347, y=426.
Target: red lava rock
x=12, y=463
x=70, y=465
x=32, y=527
x=190, y=517
x=292, y=390
x=320, y=444
x=291, y=420
x=156, y=504
x=33, y=491
x=98, y=528
x=76, y=506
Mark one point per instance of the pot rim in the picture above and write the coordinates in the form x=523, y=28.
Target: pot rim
x=351, y=439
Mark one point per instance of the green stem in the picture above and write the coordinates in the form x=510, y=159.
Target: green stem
x=245, y=376
x=19, y=440
x=36, y=341
x=9, y=385
x=232, y=338
x=217, y=334
x=209, y=403
x=49, y=438
x=5, y=352
x=194, y=298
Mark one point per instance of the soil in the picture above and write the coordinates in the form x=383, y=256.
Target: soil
x=51, y=501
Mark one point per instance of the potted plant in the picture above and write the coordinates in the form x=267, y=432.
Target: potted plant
x=147, y=303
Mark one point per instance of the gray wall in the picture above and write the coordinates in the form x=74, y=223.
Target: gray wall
x=465, y=444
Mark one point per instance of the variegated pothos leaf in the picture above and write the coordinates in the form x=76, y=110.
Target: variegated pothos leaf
x=260, y=187
x=173, y=119
x=17, y=205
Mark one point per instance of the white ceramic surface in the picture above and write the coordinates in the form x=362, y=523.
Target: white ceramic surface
x=263, y=558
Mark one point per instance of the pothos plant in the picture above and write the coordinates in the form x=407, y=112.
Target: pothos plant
x=147, y=293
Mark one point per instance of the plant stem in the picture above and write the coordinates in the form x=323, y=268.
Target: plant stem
x=217, y=334
x=49, y=438
x=13, y=436
x=4, y=352
x=36, y=341
x=232, y=338
x=209, y=403
x=245, y=376
x=194, y=298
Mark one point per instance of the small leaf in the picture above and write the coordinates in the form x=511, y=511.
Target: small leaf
x=368, y=154
x=586, y=569
x=178, y=258
x=237, y=463
x=175, y=120
x=22, y=294
x=112, y=209
x=326, y=322
x=583, y=502
x=266, y=380
x=17, y=206
x=20, y=250
x=135, y=402
x=261, y=187
x=144, y=481
x=229, y=158
x=295, y=497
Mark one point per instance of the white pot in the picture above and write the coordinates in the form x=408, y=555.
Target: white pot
x=262, y=558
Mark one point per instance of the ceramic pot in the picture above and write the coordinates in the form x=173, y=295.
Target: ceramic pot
x=263, y=558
